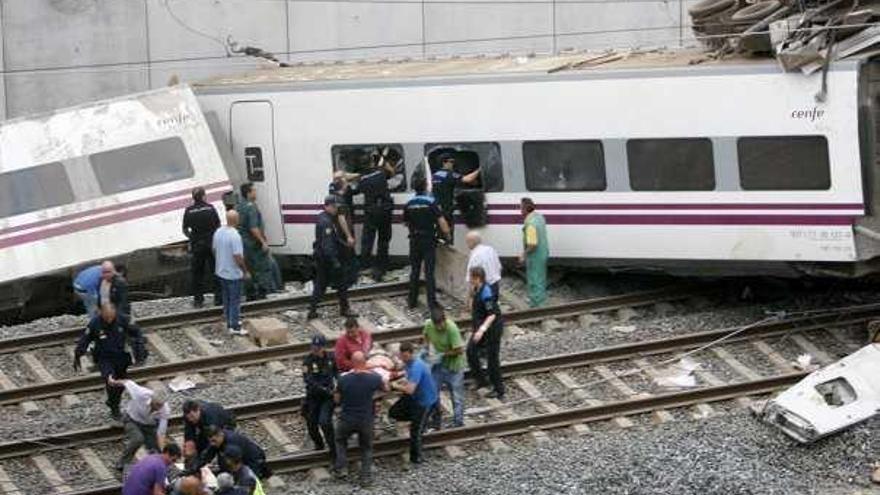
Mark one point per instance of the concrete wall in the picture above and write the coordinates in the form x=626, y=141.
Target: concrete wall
x=61, y=52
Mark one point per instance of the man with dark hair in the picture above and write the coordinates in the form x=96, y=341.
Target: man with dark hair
x=535, y=253
x=355, y=394
x=444, y=181
x=355, y=339
x=221, y=440
x=418, y=401
x=110, y=333
x=242, y=475
x=423, y=216
x=487, y=330
x=198, y=416
x=200, y=220
x=319, y=375
x=256, y=246
x=446, y=357
x=378, y=206
x=328, y=248
x=148, y=475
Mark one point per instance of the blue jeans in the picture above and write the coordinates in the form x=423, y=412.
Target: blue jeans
x=454, y=380
x=231, y=302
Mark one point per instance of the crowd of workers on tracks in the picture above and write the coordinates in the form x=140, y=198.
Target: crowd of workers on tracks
x=344, y=385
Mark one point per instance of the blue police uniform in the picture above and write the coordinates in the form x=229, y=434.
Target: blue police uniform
x=328, y=265
x=378, y=207
x=319, y=375
x=421, y=215
x=485, y=303
x=443, y=184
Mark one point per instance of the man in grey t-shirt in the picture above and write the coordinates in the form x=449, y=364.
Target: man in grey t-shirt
x=230, y=269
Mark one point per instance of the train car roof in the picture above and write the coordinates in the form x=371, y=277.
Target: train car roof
x=579, y=62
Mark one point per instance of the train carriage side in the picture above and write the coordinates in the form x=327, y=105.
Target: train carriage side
x=726, y=166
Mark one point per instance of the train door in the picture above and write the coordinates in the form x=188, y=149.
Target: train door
x=252, y=131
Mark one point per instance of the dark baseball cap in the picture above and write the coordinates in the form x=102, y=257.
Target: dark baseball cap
x=329, y=200
x=319, y=340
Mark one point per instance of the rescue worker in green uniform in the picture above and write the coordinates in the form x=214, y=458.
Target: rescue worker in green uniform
x=535, y=252
x=256, y=247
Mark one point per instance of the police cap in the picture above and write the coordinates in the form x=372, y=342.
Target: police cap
x=329, y=200
x=319, y=340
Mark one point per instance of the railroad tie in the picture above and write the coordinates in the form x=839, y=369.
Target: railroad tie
x=821, y=356
x=277, y=433
x=735, y=364
x=96, y=464
x=774, y=357
x=452, y=451
x=508, y=413
x=513, y=300
x=660, y=415
x=837, y=334
x=44, y=376
x=394, y=312
x=320, y=327
x=55, y=480
x=615, y=382
x=205, y=347
x=546, y=404
x=6, y=484
x=568, y=382
x=29, y=407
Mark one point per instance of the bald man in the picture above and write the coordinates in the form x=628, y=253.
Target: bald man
x=230, y=269
x=114, y=289
x=485, y=257
x=354, y=393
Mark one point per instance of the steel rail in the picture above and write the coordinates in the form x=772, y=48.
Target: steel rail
x=204, y=315
x=25, y=447
x=526, y=424
x=93, y=381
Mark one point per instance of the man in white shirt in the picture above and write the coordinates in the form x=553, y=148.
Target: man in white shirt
x=485, y=257
x=145, y=420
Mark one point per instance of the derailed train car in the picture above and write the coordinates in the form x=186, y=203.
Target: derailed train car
x=642, y=161
x=98, y=181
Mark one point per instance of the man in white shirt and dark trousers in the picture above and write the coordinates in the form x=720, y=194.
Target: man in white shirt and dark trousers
x=145, y=420
x=485, y=257
x=230, y=269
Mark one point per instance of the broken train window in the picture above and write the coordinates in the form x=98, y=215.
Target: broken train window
x=468, y=157
x=360, y=158
x=837, y=392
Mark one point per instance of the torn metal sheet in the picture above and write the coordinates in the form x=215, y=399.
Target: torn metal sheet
x=829, y=400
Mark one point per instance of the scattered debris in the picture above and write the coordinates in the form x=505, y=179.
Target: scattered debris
x=804, y=362
x=624, y=328
x=679, y=375
x=181, y=383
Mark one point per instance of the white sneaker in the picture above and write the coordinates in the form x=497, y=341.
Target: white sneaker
x=240, y=332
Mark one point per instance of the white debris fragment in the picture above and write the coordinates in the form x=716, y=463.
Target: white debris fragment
x=679, y=375
x=181, y=383
x=624, y=328
x=804, y=362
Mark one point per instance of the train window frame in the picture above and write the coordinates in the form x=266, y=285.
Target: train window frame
x=794, y=177
x=704, y=180
x=492, y=160
x=398, y=183
x=596, y=165
x=20, y=199
x=115, y=175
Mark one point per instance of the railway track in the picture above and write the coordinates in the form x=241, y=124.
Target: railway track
x=553, y=417
x=50, y=388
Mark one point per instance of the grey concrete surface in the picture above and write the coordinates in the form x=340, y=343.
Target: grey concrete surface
x=56, y=53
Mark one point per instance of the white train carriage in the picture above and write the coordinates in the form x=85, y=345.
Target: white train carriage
x=648, y=161
x=101, y=180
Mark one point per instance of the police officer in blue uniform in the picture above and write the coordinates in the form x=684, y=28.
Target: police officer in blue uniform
x=443, y=184
x=200, y=221
x=110, y=333
x=423, y=216
x=319, y=375
x=343, y=190
x=328, y=264
x=486, y=335
x=378, y=207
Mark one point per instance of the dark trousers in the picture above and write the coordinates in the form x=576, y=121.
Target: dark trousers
x=376, y=223
x=491, y=345
x=319, y=421
x=364, y=430
x=118, y=367
x=495, y=288
x=137, y=434
x=325, y=275
x=422, y=252
x=408, y=409
x=202, y=266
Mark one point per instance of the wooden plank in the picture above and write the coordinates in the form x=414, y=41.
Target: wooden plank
x=29, y=407
x=570, y=383
x=774, y=357
x=532, y=391
x=394, y=312
x=6, y=484
x=55, y=480
x=612, y=379
x=96, y=464
x=661, y=415
x=277, y=433
x=200, y=341
x=810, y=348
x=736, y=364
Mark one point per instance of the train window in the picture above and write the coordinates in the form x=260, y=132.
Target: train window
x=468, y=157
x=564, y=165
x=253, y=161
x=359, y=158
x=141, y=165
x=783, y=163
x=35, y=188
x=676, y=164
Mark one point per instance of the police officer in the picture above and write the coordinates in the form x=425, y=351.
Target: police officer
x=200, y=220
x=422, y=215
x=443, y=184
x=328, y=264
x=378, y=207
x=110, y=333
x=319, y=374
x=256, y=247
x=343, y=190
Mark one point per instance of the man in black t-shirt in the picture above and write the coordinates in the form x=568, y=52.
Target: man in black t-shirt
x=354, y=393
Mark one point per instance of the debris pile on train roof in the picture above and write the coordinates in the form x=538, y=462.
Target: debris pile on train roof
x=802, y=34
